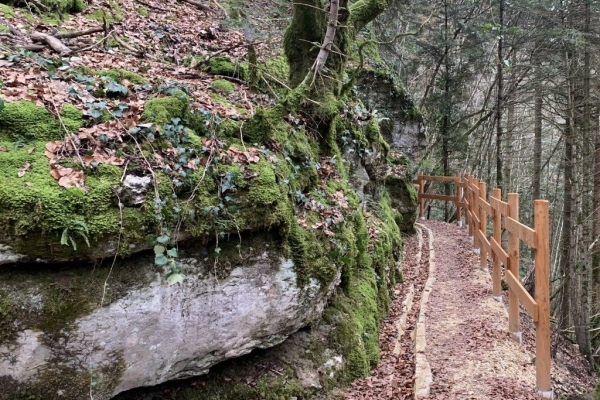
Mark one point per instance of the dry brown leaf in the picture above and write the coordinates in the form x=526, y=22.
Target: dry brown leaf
x=23, y=170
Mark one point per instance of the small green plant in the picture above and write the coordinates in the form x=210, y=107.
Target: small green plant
x=163, y=256
x=76, y=227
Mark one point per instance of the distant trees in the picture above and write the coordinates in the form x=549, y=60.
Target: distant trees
x=508, y=90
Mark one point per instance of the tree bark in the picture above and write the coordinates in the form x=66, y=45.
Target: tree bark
x=500, y=99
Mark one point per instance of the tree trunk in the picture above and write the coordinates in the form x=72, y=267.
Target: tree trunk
x=500, y=99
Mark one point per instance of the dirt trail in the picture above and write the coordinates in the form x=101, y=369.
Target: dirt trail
x=445, y=318
x=468, y=346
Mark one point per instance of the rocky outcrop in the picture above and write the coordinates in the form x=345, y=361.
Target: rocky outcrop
x=156, y=332
x=402, y=126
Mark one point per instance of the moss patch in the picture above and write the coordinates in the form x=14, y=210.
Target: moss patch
x=118, y=74
x=144, y=12
x=160, y=110
x=23, y=121
x=7, y=10
x=222, y=65
x=223, y=86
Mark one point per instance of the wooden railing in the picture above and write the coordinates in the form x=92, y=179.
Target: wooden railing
x=471, y=196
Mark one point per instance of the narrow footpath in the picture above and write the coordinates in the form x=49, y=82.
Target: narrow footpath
x=447, y=338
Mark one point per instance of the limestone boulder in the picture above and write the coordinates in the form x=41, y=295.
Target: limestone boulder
x=147, y=331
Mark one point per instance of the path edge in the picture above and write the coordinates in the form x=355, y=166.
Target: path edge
x=423, y=374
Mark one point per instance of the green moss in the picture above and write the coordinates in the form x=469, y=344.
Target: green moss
x=264, y=189
x=112, y=14
x=222, y=65
x=264, y=124
x=118, y=74
x=7, y=10
x=143, y=11
x=59, y=380
x=160, y=110
x=24, y=121
x=223, y=86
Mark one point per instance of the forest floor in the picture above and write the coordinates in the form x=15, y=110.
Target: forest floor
x=468, y=353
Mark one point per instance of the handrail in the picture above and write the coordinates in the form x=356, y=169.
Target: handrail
x=470, y=196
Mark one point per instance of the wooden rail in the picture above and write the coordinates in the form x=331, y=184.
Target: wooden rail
x=471, y=196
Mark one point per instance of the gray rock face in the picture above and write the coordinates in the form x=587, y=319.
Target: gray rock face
x=158, y=332
x=404, y=129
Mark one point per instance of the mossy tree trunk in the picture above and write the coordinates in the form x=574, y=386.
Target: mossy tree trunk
x=305, y=37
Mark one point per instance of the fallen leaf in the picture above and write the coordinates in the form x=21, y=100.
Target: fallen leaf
x=23, y=170
x=31, y=150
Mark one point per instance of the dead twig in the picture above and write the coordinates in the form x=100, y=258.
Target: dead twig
x=40, y=5
x=95, y=44
x=221, y=8
x=36, y=48
x=231, y=79
x=71, y=35
x=127, y=46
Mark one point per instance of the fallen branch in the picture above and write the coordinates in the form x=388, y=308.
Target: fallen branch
x=71, y=35
x=231, y=79
x=40, y=5
x=200, y=6
x=36, y=48
x=53, y=42
x=151, y=6
x=221, y=8
x=127, y=46
x=95, y=44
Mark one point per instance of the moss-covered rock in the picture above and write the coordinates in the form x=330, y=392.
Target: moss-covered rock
x=223, y=86
x=222, y=65
x=161, y=110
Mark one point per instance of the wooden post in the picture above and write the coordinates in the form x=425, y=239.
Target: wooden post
x=497, y=234
x=469, y=206
x=514, y=325
x=459, y=196
x=421, y=199
x=482, y=223
x=542, y=283
x=475, y=212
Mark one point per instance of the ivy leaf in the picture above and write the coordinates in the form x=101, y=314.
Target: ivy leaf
x=158, y=249
x=114, y=87
x=172, y=252
x=172, y=279
x=163, y=239
x=160, y=260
